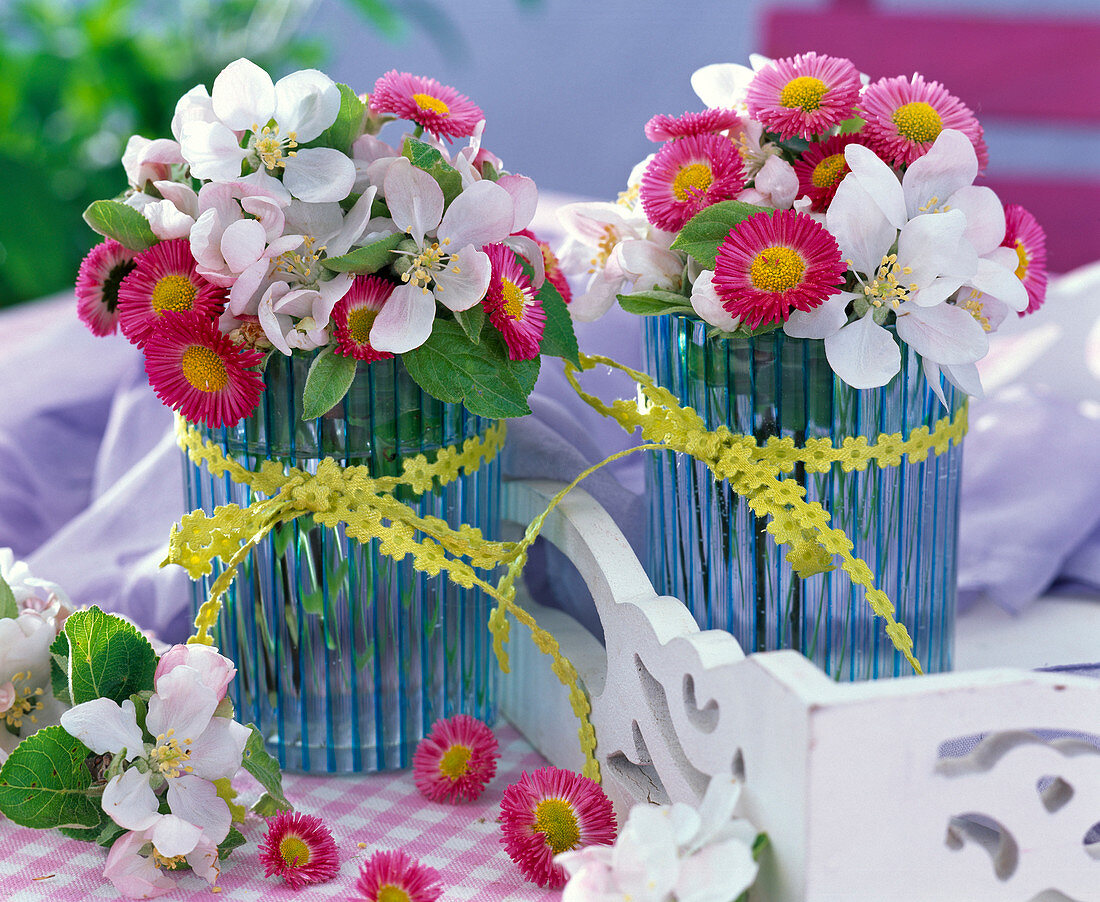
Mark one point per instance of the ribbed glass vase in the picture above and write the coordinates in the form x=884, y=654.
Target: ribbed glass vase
x=345, y=656
x=707, y=548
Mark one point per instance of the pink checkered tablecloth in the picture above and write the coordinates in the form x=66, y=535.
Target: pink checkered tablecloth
x=383, y=811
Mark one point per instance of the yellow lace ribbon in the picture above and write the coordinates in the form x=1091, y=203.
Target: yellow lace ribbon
x=368, y=509
x=754, y=471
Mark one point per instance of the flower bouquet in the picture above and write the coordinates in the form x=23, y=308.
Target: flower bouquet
x=819, y=276
x=342, y=324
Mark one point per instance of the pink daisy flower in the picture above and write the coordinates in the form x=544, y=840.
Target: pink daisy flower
x=549, y=812
x=201, y=373
x=822, y=168
x=456, y=760
x=905, y=116
x=164, y=278
x=299, y=848
x=1025, y=236
x=708, y=122
x=552, y=266
x=771, y=264
x=438, y=108
x=512, y=304
x=805, y=95
x=97, y=282
x=391, y=876
x=688, y=175
x=354, y=314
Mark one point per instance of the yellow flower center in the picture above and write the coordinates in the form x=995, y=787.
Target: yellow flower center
x=886, y=287
x=434, y=104
x=556, y=820
x=174, y=292
x=829, y=171
x=169, y=864
x=270, y=146
x=387, y=892
x=777, y=269
x=204, y=369
x=604, y=247
x=293, y=851
x=918, y=121
x=455, y=762
x=974, y=307
x=26, y=702
x=803, y=93
x=691, y=180
x=304, y=265
x=515, y=298
x=424, y=265
x=1021, y=253
x=360, y=321
x=169, y=757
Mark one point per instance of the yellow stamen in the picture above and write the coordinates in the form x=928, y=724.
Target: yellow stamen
x=293, y=851
x=829, y=171
x=776, y=268
x=174, y=292
x=803, y=93
x=604, y=247
x=455, y=762
x=691, y=179
x=26, y=702
x=204, y=369
x=918, y=121
x=169, y=864
x=269, y=146
x=975, y=308
x=360, y=321
x=556, y=820
x=434, y=104
x=1021, y=254
x=425, y=264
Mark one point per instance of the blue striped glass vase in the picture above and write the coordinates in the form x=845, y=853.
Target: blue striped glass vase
x=345, y=656
x=707, y=548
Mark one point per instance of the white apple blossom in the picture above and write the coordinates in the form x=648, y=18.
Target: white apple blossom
x=135, y=860
x=446, y=264
x=249, y=119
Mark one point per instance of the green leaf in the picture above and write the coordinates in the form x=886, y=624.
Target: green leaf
x=424, y=156
x=8, y=605
x=108, y=657
x=348, y=125
x=259, y=763
x=654, y=302
x=59, y=668
x=708, y=228
x=367, y=259
x=472, y=321
x=851, y=126
x=113, y=219
x=558, y=337
x=45, y=784
x=329, y=378
x=233, y=840
x=450, y=367
x=489, y=171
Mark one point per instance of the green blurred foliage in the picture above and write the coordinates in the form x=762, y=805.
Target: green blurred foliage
x=81, y=76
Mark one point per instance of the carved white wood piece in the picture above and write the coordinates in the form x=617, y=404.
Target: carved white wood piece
x=847, y=779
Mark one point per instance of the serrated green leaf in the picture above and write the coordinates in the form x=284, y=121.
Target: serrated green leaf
x=59, y=668
x=424, y=156
x=348, y=125
x=45, y=784
x=8, y=605
x=472, y=321
x=108, y=657
x=113, y=219
x=558, y=337
x=654, y=302
x=367, y=259
x=448, y=366
x=233, y=839
x=707, y=229
x=259, y=763
x=329, y=378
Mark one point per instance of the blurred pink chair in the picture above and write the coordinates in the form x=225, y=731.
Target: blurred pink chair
x=1032, y=72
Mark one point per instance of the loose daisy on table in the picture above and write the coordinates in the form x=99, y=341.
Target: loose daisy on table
x=772, y=264
x=354, y=314
x=164, y=278
x=456, y=760
x=686, y=176
x=437, y=108
x=551, y=811
x=196, y=370
x=97, y=283
x=299, y=848
x=904, y=116
x=392, y=876
x=1026, y=237
x=805, y=95
x=512, y=305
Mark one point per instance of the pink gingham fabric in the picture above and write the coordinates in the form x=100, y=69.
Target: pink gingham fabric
x=382, y=811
